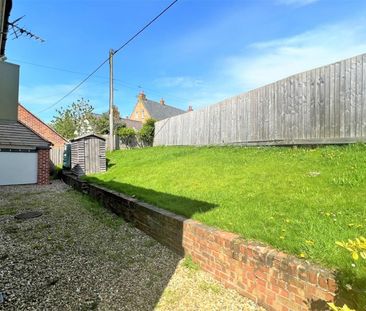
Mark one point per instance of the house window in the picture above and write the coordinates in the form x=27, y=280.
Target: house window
x=142, y=114
x=136, y=115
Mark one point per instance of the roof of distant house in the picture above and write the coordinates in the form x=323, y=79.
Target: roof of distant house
x=137, y=125
x=160, y=111
x=14, y=134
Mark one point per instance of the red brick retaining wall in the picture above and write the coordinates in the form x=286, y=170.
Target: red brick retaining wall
x=273, y=279
x=43, y=170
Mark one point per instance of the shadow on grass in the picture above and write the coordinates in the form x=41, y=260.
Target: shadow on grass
x=156, y=198
x=160, y=224
x=351, y=289
x=355, y=298
x=109, y=164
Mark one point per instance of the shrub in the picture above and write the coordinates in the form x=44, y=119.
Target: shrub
x=55, y=171
x=127, y=135
x=146, y=134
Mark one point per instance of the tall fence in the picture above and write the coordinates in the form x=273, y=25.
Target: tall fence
x=108, y=143
x=57, y=155
x=323, y=105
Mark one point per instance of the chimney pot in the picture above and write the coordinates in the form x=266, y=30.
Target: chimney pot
x=162, y=101
x=190, y=108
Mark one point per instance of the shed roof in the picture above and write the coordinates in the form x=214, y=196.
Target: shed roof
x=161, y=111
x=88, y=135
x=16, y=134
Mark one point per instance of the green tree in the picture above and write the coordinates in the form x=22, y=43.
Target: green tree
x=147, y=132
x=101, y=122
x=74, y=120
x=127, y=135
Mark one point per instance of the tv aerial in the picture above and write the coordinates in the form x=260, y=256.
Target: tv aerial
x=18, y=31
x=11, y=29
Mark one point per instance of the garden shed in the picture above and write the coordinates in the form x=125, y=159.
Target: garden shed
x=88, y=154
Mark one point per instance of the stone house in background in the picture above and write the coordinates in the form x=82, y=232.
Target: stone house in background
x=149, y=109
x=45, y=131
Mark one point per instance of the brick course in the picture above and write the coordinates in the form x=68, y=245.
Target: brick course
x=39, y=127
x=271, y=278
x=43, y=170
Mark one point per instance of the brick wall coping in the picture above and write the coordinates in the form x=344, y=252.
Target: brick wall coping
x=271, y=278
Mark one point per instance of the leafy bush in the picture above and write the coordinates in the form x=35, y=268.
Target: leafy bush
x=147, y=132
x=55, y=171
x=127, y=135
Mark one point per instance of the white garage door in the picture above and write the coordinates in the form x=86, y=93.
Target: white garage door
x=18, y=168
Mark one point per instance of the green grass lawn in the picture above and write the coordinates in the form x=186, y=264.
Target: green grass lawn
x=299, y=200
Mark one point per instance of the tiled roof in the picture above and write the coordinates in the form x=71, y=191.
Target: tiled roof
x=159, y=112
x=137, y=125
x=15, y=134
x=38, y=126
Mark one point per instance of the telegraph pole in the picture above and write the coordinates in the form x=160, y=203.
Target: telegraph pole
x=111, y=136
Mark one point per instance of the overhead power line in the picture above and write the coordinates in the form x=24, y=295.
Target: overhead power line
x=138, y=86
x=106, y=60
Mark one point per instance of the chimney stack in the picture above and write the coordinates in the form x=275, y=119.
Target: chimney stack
x=142, y=96
x=190, y=108
x=162, y=102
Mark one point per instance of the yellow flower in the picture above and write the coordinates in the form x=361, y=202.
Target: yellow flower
x=356, y=247
x=354, y=255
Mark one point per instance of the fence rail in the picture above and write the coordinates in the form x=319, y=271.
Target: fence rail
x=322, y=105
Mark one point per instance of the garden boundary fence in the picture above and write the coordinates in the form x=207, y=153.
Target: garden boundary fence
x=325, y=105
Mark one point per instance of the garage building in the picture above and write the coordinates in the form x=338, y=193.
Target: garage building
x=24, y=155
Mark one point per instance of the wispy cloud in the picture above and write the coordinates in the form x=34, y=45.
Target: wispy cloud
x=268, y=61
x=296, y=2
x=272, y=60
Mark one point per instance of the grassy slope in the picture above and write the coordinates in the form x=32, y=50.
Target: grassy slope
x=298, y=200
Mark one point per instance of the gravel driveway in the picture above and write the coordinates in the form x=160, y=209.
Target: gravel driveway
x=78, y=256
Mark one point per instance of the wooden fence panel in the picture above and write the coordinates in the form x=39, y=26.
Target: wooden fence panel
x=322, y=105
x=57, y=155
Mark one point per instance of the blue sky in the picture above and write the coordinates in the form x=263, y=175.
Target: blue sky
x=198, y=53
